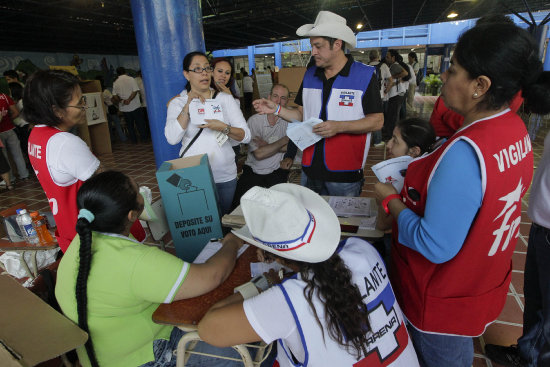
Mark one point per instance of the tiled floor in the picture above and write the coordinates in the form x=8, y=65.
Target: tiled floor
x=138, y=162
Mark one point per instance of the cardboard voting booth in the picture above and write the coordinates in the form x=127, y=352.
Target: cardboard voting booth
x=31, y=331
x=189, y=195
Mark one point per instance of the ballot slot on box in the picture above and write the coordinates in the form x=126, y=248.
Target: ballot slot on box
x=190, y=201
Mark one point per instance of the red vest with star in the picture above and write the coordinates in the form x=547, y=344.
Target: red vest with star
x=62, y=199
x=463, y=295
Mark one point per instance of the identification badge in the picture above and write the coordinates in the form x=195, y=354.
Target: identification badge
x=221, y=138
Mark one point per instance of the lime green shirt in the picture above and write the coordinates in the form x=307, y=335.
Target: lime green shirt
x=127, y=282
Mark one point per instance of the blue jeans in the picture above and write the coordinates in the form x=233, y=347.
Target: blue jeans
x=377, y=135
x=11, y=142
x=164, y=356
x=332, y=188
x=136, y=117
x=435, y=350
x=115, y=120
x=534, y=345
x=226, y=191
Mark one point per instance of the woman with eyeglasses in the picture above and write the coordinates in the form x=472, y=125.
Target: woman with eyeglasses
x=202, y=120
x=62, y=161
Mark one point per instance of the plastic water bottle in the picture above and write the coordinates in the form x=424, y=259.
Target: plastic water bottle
x=24, y=221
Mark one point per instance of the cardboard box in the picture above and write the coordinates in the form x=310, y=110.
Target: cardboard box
x=31, y=331
x=190, y=201
x=292, y=78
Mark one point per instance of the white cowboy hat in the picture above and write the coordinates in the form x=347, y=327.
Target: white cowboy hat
x=328, y=24
x=290, y=221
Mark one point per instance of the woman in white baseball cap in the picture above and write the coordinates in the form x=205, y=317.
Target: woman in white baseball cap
x=337, y=309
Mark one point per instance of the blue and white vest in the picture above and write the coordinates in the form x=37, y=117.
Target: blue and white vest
x=342, y=152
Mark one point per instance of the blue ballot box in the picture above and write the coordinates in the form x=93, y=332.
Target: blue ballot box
x=190, y=201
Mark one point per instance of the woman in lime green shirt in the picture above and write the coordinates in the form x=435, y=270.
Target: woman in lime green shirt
x=119, y=282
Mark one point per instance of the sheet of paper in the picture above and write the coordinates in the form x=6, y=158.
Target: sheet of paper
x=393, y=171
x=345, y=206
x=368, y=223
x=210, y=109
x=260, y=268
x=210, y=249
x=301, y=133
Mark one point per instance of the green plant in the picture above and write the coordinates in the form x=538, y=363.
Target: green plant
x=433, y=84
x=433, y=81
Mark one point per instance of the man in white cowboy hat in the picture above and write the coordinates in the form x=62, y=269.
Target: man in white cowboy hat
x=345, y=95
x=338, y=310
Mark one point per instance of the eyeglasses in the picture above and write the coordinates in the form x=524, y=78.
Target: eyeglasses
x=199, y=70
x=81, y=104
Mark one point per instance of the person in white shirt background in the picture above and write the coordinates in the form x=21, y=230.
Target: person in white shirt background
x=126, y=94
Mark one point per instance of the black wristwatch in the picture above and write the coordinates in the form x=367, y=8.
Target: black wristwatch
x=261, y=282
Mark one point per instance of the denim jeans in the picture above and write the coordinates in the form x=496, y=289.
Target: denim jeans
x=332, y=188
x=436, y=350
x=534, y=345
x=136, y=117
x=115, y=120
x=164, y=356
x=391, y=116
x=11, y=143
x=226, y=191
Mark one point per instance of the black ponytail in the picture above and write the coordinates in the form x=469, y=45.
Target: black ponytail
x=346, y=314
x=109, y=196
x=537, y=94
x=85, y=234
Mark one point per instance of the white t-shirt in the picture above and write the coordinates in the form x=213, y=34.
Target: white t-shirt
x=139, y=82
x=221, y=159
x=123, y=87
x=412, y=80
x=260, y=127
x=399, y=87
x=69, y=159
x=287, y=317
x=107, y=96
x=19, y=121
x=384, y=77
x=247, y=84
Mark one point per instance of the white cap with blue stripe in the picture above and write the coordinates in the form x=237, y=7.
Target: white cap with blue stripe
x=290, y=221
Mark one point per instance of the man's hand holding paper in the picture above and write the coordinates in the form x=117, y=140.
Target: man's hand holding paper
x=302, y=133
x=326, y=129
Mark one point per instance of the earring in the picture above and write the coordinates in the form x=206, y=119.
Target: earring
x=475, y=94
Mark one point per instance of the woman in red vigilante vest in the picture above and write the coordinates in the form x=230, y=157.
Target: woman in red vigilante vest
x=457, y=216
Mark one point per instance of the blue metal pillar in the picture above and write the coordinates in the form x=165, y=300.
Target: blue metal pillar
x=166, y=30
x=446, y=58
x=383, y=52
x=426, y=61
x=278, y=55
x=251, y=60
